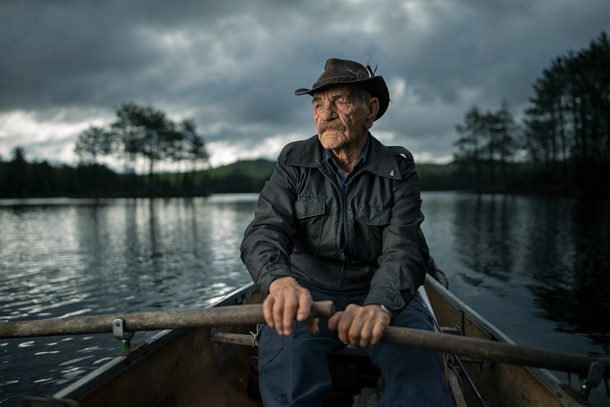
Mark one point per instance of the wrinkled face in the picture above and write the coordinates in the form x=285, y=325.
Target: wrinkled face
x=342, y=119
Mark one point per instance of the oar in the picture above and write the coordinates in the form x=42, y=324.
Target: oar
x=150, y=321
x=252, y=314
x=482, y=349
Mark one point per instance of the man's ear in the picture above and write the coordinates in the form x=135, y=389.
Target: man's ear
x=373, y=109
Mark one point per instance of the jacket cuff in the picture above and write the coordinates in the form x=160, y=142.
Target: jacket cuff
x=383, y=307
x=394, y=300
x=268, y=274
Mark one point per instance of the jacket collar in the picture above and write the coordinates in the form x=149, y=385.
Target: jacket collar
x=380, y=160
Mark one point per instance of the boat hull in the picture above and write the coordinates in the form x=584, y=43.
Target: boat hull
x=187, y=368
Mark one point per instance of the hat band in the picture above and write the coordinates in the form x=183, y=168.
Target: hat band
x=334, y=80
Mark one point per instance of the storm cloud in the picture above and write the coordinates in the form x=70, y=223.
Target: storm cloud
x=233, y=65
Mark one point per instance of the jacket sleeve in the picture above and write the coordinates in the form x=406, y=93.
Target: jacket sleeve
x=402, y=264
x=268, y=240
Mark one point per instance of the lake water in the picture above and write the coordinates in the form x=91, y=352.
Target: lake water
x=537, y=268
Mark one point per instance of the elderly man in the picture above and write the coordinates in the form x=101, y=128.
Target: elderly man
x=340, y=220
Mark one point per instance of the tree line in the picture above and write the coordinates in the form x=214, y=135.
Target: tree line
x=21, y=178
x=143, y=133
x=563, y=144
x=139, y=134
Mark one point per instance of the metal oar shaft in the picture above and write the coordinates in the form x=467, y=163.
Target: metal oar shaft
x=493, y=351
x=149, y=321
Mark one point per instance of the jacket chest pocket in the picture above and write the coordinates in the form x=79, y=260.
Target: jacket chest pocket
x=309, y=212
x=369, y=225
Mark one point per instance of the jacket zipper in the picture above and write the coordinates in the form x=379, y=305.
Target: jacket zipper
x=341, y=249
x=344, y=212
x=343, y=220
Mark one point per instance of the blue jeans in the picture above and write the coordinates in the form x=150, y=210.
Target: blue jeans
x=293, y=370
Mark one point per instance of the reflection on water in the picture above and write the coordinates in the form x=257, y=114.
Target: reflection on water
x=486, y=238
x=556, y=248
x=71, y=258
x=535, y=267
x=572, y=289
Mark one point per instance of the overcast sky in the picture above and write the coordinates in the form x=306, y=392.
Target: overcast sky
x=233, y=65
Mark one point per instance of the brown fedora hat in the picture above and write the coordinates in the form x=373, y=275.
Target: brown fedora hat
x=341, y=72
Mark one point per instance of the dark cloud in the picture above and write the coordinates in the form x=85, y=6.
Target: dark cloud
x=233, y=66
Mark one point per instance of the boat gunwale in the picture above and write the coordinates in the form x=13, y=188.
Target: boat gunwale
x=102, y=375
x=543, y=376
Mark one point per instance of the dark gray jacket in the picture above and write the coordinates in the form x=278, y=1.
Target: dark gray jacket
x=297, y=226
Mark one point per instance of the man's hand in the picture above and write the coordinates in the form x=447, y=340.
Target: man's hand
x=358, y=325
x=287, y=299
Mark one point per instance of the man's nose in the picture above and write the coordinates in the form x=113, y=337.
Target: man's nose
x=328, y=112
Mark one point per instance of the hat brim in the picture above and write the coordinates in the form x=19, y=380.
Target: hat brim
x=376, y=85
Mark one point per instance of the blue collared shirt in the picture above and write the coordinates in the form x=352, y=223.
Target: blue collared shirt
x=342, y=177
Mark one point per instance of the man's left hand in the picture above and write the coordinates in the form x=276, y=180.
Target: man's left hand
x=358, y=325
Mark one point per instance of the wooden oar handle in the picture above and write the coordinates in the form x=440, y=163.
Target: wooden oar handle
x=322, y=309
x=482, y=349
x=150, y=321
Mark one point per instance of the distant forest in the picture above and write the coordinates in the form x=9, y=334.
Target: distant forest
x=563, y=144
x=562, y=147
x=23, y=179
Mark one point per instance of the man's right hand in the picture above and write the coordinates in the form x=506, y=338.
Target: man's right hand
x=286, y=301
